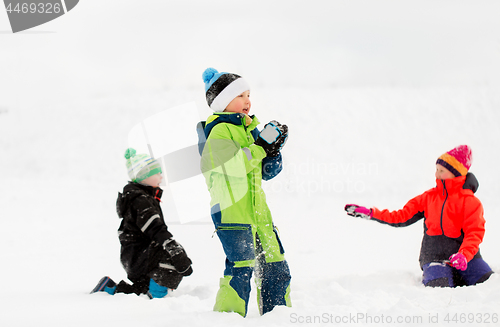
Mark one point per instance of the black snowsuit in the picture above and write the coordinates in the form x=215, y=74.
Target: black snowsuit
x=142, y=234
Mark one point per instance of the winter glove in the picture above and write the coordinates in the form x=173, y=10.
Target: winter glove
x=358, y=211
x=178, y=257
x=272, y=138
x=458, y=261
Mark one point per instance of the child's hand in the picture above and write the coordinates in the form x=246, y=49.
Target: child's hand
x=178, y=256
x=458, y=261
x=283, y=130
x=272, y=138
x=358, y=211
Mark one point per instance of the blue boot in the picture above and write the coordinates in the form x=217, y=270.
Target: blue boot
x=156, y=291
x=106, y=284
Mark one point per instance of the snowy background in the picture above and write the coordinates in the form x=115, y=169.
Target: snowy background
x=372, y=91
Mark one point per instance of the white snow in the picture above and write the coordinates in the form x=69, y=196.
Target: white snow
x=373, y=93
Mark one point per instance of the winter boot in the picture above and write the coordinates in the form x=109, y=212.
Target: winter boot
x=156, y=291
x=228, y=300
x=106, y=284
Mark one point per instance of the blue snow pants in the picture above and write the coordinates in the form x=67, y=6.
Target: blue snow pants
x=272, y=281
x=245, y=256
x=438, y=274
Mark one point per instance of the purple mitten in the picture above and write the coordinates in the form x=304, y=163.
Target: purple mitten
x=358, y=211
x=458, y=261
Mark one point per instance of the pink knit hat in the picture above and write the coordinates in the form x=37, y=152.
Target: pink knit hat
x=457, y=160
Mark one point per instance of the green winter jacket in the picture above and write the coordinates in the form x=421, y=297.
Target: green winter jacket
x=232, y=166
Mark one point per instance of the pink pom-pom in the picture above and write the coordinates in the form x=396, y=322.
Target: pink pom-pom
x=463, y=154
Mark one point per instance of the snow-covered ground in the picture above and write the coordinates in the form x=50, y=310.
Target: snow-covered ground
x=372, y=91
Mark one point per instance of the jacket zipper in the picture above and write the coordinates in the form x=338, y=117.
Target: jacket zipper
x=242, y=228
x=156, y=195
x=442, y=209
x=232, y=228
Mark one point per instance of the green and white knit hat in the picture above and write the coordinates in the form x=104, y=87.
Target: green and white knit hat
x=140, y=166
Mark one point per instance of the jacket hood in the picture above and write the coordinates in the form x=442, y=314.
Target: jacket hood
x=471, y=183
x=133, y=190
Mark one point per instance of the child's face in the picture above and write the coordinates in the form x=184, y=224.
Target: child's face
x=241, y=104
x=154, y=180
x=443, y=173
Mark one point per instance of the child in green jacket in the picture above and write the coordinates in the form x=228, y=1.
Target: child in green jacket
x=235, y=159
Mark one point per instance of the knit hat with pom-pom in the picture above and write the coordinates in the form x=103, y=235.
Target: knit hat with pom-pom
x=140, y=166
x=457, y=160
x=222, y=88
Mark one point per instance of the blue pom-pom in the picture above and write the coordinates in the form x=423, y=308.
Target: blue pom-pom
x=129, y=153
x=208, y=74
